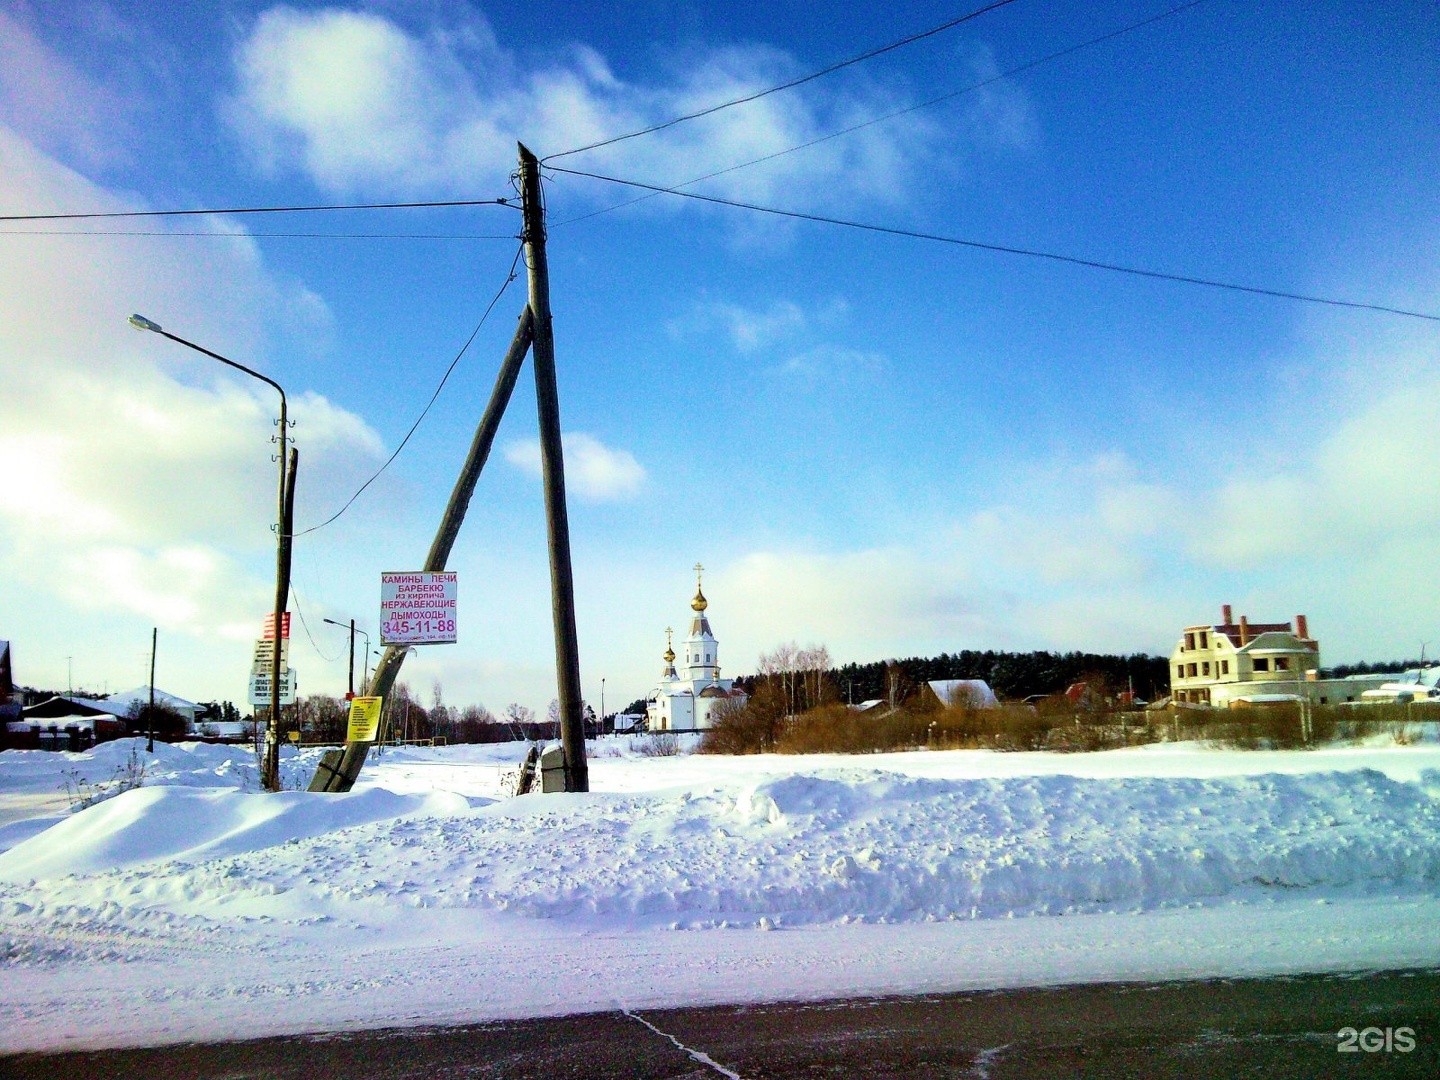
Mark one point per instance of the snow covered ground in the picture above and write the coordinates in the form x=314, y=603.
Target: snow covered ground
x=195, y=908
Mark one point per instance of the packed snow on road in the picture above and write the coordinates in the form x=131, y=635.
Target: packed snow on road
x=195, y=907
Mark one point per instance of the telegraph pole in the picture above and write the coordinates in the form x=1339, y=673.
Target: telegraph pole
x=562, y=585
x=154, y=640
x=270, y=765
x=340, y=771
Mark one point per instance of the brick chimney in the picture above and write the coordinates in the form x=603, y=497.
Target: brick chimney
x=1244, y=631
x=1225, y=614
x=1302, y=628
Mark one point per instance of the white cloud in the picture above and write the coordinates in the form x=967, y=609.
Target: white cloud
x=139, y=479
x=748, y=329
x=834, y=363
x=359, y=103
x=54, y=104
x=593, y=470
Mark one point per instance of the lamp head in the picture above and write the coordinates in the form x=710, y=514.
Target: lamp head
x=140, y=322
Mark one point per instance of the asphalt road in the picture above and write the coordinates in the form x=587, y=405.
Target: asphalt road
x=1270, y=1028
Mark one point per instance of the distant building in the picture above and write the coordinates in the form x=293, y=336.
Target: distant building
x=686, y=699
x=965, y=693
x=1230, y=664
x=63, y=723
x=128, y=699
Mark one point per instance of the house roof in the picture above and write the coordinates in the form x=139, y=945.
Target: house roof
x=1275, y=640
x=977, y=691
x=126, y=698
x=57, y=706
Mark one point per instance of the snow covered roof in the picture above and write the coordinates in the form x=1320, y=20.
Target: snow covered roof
x=55, y=707
x=973, y=692
x=79, y=723
x=126, y=698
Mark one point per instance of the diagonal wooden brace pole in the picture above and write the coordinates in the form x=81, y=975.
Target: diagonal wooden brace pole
x=340, y=771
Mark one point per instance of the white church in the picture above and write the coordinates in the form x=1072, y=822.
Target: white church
x=686, y=699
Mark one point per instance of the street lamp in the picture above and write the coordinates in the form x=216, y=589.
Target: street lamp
x=270, y=768
x=366, y=657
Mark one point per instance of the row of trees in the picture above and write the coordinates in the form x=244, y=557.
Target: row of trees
x=322, y=718
x=796, y=705
x=1010, y=674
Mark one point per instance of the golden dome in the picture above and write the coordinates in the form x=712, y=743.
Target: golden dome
x=669, y=655
x=699, y=603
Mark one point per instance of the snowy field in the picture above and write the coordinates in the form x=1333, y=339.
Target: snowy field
x=195, y=908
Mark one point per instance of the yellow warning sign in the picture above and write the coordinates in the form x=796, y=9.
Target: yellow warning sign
x=364, y=719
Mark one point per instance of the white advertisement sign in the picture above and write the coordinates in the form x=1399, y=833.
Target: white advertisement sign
x=417, y=607
x=260, y=687
x=265, y=653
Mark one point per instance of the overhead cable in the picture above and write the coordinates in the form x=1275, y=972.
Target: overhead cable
x=265, y=235
x=1003, y=249
x=867, y=55
x=257, y=210
x=259, y=235
x=898, y=112
x=511, y=275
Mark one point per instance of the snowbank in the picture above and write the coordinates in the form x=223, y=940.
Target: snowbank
x=203, y=888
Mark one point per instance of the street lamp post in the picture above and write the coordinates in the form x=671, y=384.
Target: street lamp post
x=270, y=767
x=365, y=659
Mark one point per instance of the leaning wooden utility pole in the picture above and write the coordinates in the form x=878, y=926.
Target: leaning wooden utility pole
x=552, y=459
x=339, y=770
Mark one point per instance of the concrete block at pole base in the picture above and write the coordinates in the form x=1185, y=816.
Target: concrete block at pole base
x=552, y=768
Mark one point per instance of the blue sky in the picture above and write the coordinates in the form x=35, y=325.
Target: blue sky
x=884, y=445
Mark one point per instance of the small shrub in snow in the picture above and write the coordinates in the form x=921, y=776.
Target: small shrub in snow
x=129, y=774
x=657, y=744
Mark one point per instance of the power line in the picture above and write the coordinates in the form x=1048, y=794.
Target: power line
x=295, y=592
x=1004, y=249
x=870, y=54
x=898, y=112
x=510, y=276
x=258, y=235
x=257, y=210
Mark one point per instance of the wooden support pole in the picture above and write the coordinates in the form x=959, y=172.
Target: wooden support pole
x=270, y=766
x=552, y=459
x=342, y=776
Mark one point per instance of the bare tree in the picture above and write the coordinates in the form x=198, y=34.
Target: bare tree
x=815, y=665
x=782, y=665
x=519, y=717
x=897, y=686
